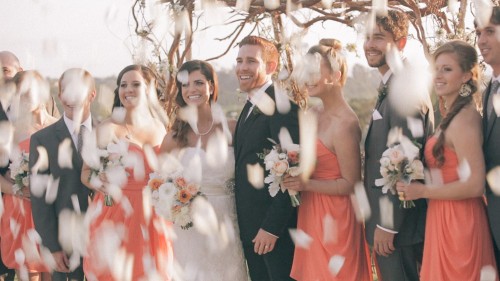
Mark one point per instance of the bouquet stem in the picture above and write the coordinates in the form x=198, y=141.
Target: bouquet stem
x=295, y=199
x=407, y=204
x=108, y=200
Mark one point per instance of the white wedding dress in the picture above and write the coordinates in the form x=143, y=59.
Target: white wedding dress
x=213, y=252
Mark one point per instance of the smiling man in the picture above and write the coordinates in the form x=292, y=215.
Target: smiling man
x=488, y=41
x=399, y=246
x=263, y=220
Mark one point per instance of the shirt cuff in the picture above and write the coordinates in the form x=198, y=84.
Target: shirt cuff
x=271, y=234
x=387, y=230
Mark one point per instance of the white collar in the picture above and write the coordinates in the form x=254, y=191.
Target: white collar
x=71, y=127
x=495, y=78
x=258, y=93
x=386, y=76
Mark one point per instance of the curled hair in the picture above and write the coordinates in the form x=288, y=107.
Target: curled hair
x=467, y=59
x=269, y=51
x=395, y=22
x=330, y=51
x=146, y=73
x=180, y=128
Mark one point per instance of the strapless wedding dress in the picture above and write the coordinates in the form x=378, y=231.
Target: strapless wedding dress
x=216, y=255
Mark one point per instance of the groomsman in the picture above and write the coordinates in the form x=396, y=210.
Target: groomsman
x=76, y=92
x=488, y=41
x=263, y=220
x=398, y=247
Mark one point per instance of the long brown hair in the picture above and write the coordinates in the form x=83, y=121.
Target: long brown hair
x=468, y=62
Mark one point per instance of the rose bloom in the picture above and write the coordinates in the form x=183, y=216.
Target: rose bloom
x=279, y=168
x=293, y=157
x=112, y=157
x=180, y=182
x=184, y=196
x=25, y=166
x=154, y=184
x=192, y=188
x=26, y=181
x=396, y=156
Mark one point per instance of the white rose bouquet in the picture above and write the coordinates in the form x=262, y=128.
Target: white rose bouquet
x=280, y=161
x=399, y=163
x=172, y=196
x=19, y=172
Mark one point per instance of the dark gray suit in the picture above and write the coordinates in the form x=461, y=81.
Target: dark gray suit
x=45, y=216
x=491, y=148
x=255, y=207
x=409, y=223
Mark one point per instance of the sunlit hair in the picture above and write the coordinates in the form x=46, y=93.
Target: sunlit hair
x=395, y=22
x=146, y=73
x=330, y=51
x=181, y=128
x=495, y=16
x=269, y=50
x=13, y=57
x=86, y=78
x=207, y=70
x=466, y=56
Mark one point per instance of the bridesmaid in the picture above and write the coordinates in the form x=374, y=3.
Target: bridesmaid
x=327, y=193
x=122, y=231
x=30, y=116
x=457, y=238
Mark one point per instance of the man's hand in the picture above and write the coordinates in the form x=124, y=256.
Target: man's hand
x=383, y=242
x=264, y=242
x=62, y=261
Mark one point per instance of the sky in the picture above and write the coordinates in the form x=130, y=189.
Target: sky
x=53, y=35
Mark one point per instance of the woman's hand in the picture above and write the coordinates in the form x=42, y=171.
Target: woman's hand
x=412, y=191
x=293, y=183
x=25, y=192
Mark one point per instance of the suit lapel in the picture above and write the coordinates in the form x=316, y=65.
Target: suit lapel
x=62, y=133
x=487, y=123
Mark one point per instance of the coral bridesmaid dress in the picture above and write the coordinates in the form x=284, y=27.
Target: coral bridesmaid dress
x=122, y=238
x=346, y=241
x=457, y=237
x=16, y=223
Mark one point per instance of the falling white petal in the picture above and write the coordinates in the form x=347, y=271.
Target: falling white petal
x=308, y=128
x=114, y=191
x=52, y=189
x=151, y=157
x=300, y=238
x=14, y=227
x=283, y=104
x=38, y=184
x=416, y=127
x=255, y=175
x=42, y=162
x=394, y=136
x=123, y=265
x=217, y=149
x=386, y=212
x=118, y=115
x=493, y=178
x=488, y=273
x=47, y=258
x=72, y=234
x=264, y=103
x=126, y=207
x=193, y=169
x=146, y=204
x=327, y=4
x=2, y=209
x=75, y=203
x=182, y=22
x=204, y=217
x=330, y=230
x=394, y=59
x=285, y=139
x=453, y=6
x=64, y=154
x=19, y=256
x=484, y=9
x=116, y=175
x=189, y=114
x=463, y=170
x=335, y=264
x=291, y=6
x=183, y=76
x=496, y=103
x=243, y=5
x=379, y=7
x=271, y=4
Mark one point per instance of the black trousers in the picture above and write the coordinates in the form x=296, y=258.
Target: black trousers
x=273, y=266
x=403, y=264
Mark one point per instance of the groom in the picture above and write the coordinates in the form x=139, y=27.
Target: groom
x=263, y=220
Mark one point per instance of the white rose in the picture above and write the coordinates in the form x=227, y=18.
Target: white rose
x=279, y=168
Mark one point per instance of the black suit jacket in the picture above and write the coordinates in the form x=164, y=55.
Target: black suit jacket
x=46, y=216
x=409, y=223
x=3, y=117
x=255, y=207
x=491, y=148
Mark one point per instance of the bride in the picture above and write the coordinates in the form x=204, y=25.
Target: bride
x=202, y=135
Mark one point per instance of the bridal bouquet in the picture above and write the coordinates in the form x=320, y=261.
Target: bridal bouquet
x=399, y=163
x=280, y=161
x=111, y=161
x=172, y=196
x=19, y=172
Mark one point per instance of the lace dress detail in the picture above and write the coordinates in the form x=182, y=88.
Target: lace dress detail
x=214, y=256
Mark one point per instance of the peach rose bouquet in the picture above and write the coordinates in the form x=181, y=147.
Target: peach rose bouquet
x=399, y=163
x=172, y=196
x=280, y=161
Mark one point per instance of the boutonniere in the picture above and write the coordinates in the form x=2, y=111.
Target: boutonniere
x=382, y=91
x=256, y=110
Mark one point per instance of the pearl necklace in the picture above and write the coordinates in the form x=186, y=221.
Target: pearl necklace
x=208, y=131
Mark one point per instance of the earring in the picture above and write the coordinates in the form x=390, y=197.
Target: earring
x=465, y=90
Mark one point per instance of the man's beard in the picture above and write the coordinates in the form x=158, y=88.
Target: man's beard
x=379, y=63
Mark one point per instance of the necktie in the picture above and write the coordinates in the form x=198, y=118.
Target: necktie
x=244, y=112
x=493, y=91
x=80, y=138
